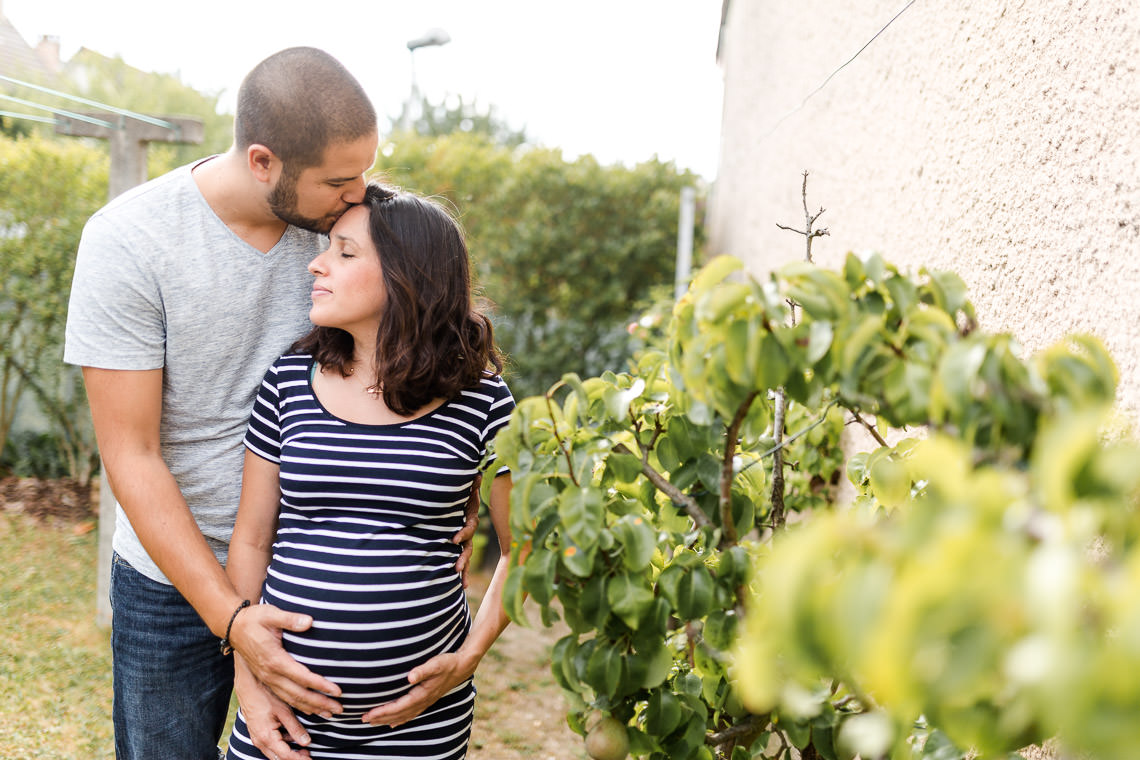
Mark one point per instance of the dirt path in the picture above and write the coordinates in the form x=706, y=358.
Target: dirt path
x=520, y=713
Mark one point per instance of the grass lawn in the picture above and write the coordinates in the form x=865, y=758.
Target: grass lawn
x=55, y=663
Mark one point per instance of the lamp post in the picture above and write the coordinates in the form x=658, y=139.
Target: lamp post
x=431, y=38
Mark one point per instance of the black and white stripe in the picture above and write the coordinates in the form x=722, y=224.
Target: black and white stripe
x=364, y=546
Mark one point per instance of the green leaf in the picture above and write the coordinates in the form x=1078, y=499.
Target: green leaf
x=629, y=598
x=562, y=663
x=819, y=341
x=854, y=272
x=903, y=292
x=720, y=629
x=715, y=271
x=538, y=575
x=907, y=389
x=618, y=399
x=593, y=604
x=513, y=596
x=626, y=468
x=581, y=511
x=772, y=367
x=948, y=289
x=890, y=481
x=667, y=454
x=662, y=713
x=638, y=540
x=957, y=373
x=695, y=593
x=654, y=666
x=709, y=470
x=578, y=561
x=605, y=668
x=669, y=582
x=798, y=731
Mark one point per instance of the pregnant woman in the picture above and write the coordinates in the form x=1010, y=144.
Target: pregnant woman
x=362, y=448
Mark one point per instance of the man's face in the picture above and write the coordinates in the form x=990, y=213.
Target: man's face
x=315, y=197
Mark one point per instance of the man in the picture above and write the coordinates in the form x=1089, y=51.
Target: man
x=186, y=289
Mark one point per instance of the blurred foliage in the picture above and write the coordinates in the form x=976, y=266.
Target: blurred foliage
x=31, y=454
x=456, y=115
x=48, y=189
x=955, y=607
x=568, y=252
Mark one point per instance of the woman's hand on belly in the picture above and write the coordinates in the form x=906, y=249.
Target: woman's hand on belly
x=430, y=681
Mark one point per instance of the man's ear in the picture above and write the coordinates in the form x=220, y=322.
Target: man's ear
x=263, y=163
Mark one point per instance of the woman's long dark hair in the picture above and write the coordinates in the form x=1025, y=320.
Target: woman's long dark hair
x=432, y=343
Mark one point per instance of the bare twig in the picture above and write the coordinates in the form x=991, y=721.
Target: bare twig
x=869, y=428
x=778, y=509
x=809, y=234
x=809, y=220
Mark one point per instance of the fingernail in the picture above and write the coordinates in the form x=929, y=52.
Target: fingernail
x=326, y=714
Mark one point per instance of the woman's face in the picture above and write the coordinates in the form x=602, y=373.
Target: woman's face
x=348, y=291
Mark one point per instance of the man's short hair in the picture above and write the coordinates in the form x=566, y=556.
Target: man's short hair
x=299, y=101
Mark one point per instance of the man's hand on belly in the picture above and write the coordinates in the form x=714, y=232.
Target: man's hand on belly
x=256, y=635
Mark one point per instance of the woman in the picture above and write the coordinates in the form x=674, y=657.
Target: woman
x=362, y=448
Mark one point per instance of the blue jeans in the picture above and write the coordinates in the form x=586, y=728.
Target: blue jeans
x=171, y=684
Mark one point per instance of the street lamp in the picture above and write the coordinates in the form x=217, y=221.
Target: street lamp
x=430, y=38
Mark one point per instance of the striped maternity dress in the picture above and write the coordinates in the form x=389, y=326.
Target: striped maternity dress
x=364, y=546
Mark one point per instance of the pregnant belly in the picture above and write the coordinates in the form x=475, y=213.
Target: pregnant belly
x=373, y=621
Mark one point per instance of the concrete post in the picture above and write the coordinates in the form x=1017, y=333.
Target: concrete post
x=128, y=141
x=684, y=242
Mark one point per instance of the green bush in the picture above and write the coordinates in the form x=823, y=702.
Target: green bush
x=29, y=454
x=954, y=605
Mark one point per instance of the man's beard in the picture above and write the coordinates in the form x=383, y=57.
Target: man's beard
x=283, y=203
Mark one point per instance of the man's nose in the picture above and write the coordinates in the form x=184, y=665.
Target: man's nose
x=354, y=191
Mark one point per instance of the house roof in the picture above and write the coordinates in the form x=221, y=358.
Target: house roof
x=18, y=59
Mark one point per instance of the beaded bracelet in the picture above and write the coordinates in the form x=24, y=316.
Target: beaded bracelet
x=224, y=644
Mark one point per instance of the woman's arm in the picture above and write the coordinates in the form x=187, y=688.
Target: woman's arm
x=444, y=672
x=264, y=673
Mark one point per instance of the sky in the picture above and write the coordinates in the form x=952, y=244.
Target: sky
x=624, y=80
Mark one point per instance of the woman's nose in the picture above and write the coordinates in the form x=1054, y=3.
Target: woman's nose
x=316, y=266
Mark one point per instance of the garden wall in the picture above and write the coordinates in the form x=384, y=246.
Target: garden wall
x=997, y=139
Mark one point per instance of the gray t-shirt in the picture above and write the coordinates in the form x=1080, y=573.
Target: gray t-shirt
x=162, y=282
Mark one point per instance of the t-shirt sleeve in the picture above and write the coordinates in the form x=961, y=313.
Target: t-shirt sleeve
x=499, y=414
x=263, y=435
x=115, y=318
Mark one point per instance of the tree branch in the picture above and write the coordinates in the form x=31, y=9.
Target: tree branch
x=735, y=731
x=727, y=525
x=869, y=427
x=562, y=446
x=778, y=508
x=664, y=486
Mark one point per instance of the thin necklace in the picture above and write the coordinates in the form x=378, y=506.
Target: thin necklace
x=373, y=390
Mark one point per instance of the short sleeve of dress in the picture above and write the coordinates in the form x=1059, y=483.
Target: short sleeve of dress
x=499, y=413
x=263, y=435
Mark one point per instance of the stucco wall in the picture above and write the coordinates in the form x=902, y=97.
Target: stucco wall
x=997, y=139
